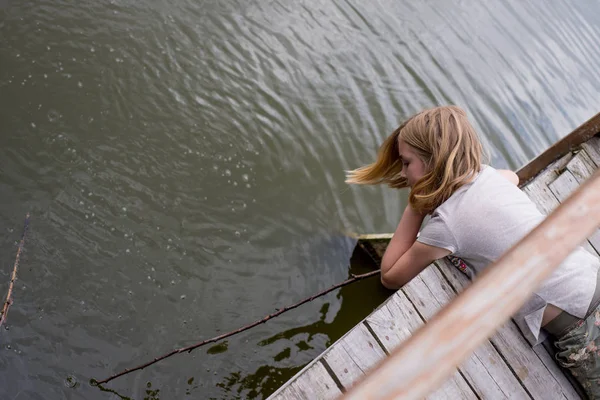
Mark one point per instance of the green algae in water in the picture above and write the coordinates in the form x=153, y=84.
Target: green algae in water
x=286, y=353
x=218, y=348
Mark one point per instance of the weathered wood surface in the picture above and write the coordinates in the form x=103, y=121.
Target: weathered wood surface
x=484, y=370
x=354, y=355
x=562, y=187
x=505, y=366
x=537, y=372
x=547, y=194
x=316, y=383
x=580, y=135
x=592, y=148
x=394, y=323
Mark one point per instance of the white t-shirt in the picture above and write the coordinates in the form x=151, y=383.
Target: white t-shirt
x=485, y=218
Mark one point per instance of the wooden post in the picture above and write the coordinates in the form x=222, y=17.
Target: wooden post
x=429, y=357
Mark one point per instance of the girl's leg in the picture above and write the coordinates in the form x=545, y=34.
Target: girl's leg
x=579, y=351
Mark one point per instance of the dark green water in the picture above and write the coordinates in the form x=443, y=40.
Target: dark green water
x=183, y=163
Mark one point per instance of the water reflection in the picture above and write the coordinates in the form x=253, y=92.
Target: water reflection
x=289, y=347
x=357, y=301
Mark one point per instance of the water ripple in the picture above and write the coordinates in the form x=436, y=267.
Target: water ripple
x=184, y=163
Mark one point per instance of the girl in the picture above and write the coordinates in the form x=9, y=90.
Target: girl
x=477, y=214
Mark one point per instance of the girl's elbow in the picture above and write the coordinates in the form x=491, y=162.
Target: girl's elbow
x=385, y=265
x=388, y=283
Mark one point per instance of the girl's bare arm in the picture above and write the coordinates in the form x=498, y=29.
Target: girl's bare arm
x=415, y=260
x=404, y=237
x=404, y=257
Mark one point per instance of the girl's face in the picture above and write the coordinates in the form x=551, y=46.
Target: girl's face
x=413, y=168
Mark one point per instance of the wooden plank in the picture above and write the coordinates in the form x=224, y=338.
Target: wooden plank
x=581, y=166
x=539, y=192
x=314, y=383
x=353, y=355
x=539, y=375
x=541, y=196
x=393, y=323
x=374, y=248
x=562, y=187
x=546, y=353
x=551, y=171
x=394, y=327
x=592, y=148
x=485, y=370
x=580, y=135
x=578, y=171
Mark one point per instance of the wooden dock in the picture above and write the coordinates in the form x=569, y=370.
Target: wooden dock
x=505, y=366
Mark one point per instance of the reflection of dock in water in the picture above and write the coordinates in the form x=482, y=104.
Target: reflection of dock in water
x=505, y=366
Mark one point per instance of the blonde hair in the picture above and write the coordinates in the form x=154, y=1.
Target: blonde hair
x=444, y=140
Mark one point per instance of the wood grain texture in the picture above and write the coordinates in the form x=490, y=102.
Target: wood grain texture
x=562, y=187
x=314, y=383
x=542, y=196
x=537, y=189
x=592, y=148
x=394, y=323
x=580, y=135
x=581, y=166
x=485, y=370
x=536, y=371
x=353, y=355
x=549, y=173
